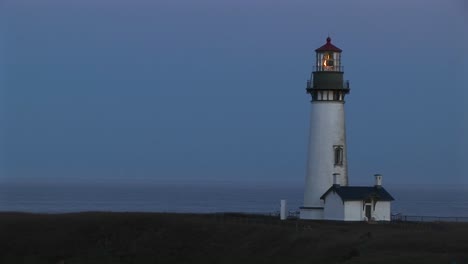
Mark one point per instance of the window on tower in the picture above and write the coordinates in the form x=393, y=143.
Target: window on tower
x=338, y=155
x=328, y=61
x=336, y=96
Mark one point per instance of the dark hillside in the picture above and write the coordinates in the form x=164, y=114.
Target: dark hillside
x=231, y=238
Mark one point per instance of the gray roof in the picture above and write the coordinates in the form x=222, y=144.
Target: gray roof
x=358, y=193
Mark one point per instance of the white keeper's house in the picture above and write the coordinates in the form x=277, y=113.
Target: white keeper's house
x=357, y=203
x=326, y=191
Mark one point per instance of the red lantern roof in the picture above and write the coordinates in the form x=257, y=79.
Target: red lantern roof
x=328, y=47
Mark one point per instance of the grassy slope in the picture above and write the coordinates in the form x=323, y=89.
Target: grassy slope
x=180, y=238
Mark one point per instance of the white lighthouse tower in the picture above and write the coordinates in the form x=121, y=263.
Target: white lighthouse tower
x=327, y=138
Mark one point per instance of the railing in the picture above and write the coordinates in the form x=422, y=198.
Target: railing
x=290, y=214
x=421, y=218
x=329, y=68
x=293, y=221
x=346, y=84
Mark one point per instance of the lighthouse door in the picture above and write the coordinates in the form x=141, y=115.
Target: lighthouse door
x=368, y=211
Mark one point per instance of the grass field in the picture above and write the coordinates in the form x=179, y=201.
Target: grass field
x=222, y=238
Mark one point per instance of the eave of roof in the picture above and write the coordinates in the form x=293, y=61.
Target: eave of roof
x=359, y=193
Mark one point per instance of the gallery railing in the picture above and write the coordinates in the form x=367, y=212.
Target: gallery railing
x=328, y=68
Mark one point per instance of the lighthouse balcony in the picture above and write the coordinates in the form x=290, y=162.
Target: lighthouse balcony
x=322, y=68
x=344, y=87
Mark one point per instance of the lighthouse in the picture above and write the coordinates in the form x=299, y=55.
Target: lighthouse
x=326, y=161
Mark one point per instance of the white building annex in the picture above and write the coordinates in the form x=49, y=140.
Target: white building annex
x=356, y=203
x=327, y=150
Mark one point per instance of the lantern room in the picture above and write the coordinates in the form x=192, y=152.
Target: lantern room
x=328, y=57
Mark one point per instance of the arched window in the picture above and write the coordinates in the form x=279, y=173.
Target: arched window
x=338, y=155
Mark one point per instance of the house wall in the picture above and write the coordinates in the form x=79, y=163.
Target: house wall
x=353, y=211
x=311, y=213
x=382, y=211
x=334, y=208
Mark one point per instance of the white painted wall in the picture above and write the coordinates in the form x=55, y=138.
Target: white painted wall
x=306, y=213
x=382, y=211
x=334, y=208
x=353, y=211
x=327, y=128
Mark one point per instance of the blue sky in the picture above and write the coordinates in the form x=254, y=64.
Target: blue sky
x=214, y=91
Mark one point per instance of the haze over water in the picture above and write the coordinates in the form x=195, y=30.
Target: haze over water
x=410, y=200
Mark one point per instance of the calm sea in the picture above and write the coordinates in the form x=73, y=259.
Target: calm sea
x=410, y=200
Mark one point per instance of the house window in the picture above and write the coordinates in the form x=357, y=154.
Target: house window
x=338, y=155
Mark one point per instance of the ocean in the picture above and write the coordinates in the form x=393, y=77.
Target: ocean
x=445, y=201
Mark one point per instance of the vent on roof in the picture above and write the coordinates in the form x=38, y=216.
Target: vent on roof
x=336, y=179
